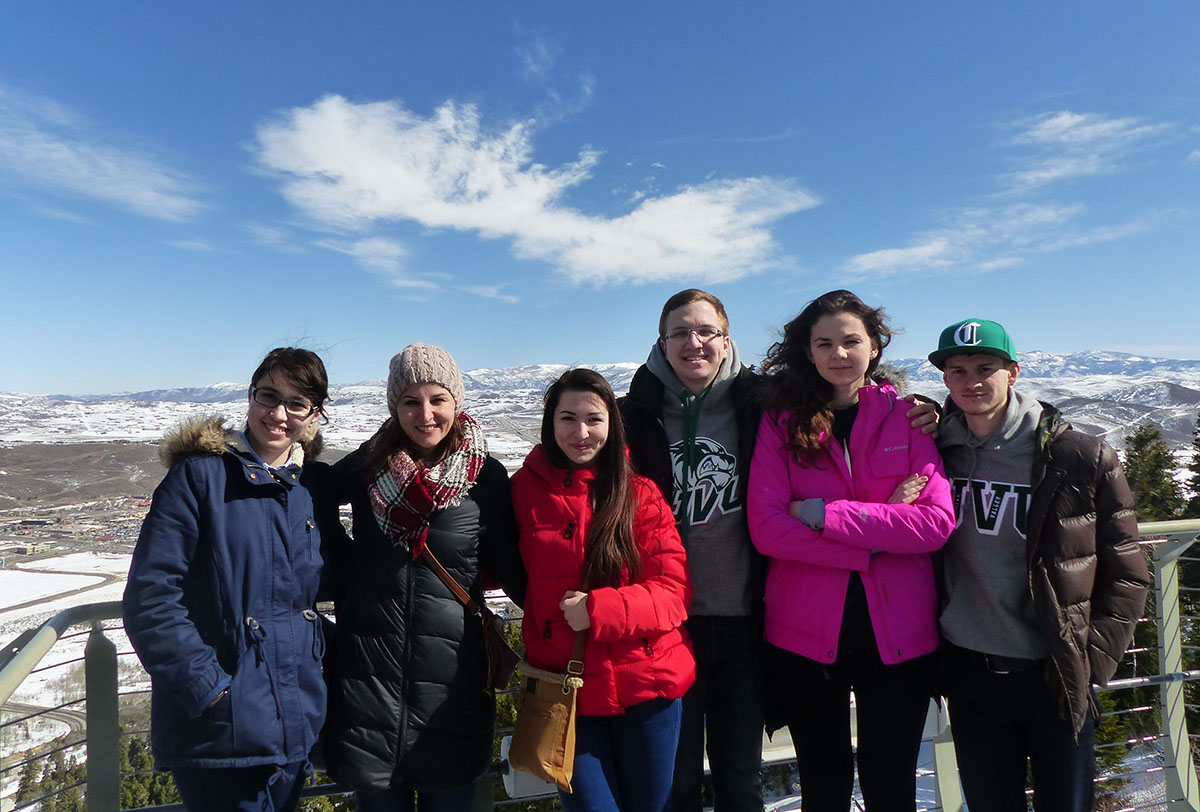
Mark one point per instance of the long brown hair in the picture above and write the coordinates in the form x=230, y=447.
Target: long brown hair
x=609, y=550
x=793, y=382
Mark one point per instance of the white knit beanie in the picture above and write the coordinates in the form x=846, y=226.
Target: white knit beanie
x=423, y=363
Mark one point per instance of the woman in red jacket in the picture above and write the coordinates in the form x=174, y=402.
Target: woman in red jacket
x=604, y=558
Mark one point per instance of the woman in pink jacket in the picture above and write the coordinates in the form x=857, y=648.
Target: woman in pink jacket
x=847, y=500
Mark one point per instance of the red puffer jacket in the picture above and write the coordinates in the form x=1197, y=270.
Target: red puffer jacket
x=636, y=648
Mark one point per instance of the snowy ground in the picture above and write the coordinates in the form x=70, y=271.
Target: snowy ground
x=43, y=578
x=17, y=586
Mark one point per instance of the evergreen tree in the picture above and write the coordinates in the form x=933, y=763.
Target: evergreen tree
x=1150, y=469
x=27, y=787
x=1193, y=506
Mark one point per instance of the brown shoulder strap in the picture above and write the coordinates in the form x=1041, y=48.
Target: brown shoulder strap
x=448, y=579
x=575, y=664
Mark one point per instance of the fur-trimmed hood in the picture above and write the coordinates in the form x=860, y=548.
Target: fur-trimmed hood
x=212, y=435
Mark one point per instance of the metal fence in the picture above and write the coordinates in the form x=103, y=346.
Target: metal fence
x=110, y=703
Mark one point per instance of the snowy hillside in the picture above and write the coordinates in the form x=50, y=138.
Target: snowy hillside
x=1102, y=392
x=1106, y=393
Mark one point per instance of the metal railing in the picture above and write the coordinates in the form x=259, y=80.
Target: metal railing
x=1168, y=544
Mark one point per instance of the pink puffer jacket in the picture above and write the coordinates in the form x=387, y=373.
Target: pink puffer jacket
x=888, y=545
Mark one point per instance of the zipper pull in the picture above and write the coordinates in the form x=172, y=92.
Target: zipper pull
x=569, y=530
x=546, y=631
x=647, y=649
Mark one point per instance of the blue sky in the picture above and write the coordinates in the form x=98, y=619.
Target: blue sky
x=183, y=187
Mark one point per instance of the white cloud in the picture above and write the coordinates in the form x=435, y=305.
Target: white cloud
x=537, y=57
x=192, y=245
x=382, y=256
x=1101, y=234
x=969, y=240
x=491, y=292
x=56, y=213
x=273, y=236
x=1061, y=145
x=356, y=166
x=50, y=147
x=1194, y=157
x=936, y=251
x=1067, y=145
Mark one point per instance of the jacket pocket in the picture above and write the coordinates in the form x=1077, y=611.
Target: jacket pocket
x=175, y=734
x=256, y=718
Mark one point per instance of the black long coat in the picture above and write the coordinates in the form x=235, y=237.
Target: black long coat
x=407, y=670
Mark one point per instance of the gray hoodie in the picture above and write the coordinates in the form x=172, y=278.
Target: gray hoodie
x=707, y=502
x=988, y=604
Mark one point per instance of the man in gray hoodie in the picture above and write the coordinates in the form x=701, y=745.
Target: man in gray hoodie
x=1044, y=580
x=691, y=417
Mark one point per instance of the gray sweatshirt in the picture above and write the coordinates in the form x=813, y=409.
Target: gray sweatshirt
x=707, y=498
x=989, y=607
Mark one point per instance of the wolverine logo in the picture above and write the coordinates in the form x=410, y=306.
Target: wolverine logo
x=990, y=504
x=712, y=484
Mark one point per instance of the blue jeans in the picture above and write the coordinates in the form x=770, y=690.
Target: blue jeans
x=624, y=763
x=404, y=798
x=1000, y=721
x=246, y=789
x=725, y=701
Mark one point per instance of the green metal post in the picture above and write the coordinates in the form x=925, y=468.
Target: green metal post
x=1183, y=790
x=103, y=723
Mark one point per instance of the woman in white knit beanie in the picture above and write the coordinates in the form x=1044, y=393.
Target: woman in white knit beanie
x=410, y=713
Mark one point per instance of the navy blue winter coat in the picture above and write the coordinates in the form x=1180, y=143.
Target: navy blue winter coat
x=221, y=598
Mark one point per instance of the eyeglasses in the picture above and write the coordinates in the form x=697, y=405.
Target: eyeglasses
x=270, y=399
x=682, y=334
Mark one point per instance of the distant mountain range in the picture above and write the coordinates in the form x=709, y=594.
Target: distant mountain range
x=1101, y=392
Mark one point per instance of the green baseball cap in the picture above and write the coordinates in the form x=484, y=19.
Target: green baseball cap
x=972, y=336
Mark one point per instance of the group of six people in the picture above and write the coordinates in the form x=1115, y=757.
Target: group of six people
x=739, y=549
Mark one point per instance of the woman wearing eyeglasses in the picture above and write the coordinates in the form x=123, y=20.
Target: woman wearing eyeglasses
x=220, y=601
x=410, y=712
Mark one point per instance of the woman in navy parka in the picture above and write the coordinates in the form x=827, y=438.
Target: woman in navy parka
x=220, y=602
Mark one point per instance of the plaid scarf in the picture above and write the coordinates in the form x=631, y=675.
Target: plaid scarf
x=405, y=493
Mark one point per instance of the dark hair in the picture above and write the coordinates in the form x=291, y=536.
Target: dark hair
x=793, y=382
x=609, y=550
x=304, y=368
x=686, y=297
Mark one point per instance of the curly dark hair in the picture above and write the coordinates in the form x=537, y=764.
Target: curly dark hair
x=609, y=550
x=793, y=382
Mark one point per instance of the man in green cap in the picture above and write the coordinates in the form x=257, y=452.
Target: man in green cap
x=1044, y=580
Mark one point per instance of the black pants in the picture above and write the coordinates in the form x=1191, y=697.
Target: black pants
x=725, y=702
x=1003, y=721
x=892, y=702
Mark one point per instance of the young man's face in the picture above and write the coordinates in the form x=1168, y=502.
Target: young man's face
x=979, y=383
x=694, y=360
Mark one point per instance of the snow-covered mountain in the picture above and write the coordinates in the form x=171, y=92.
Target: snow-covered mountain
x=1107, y=393
x=1102, y=392
x=508, y=402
